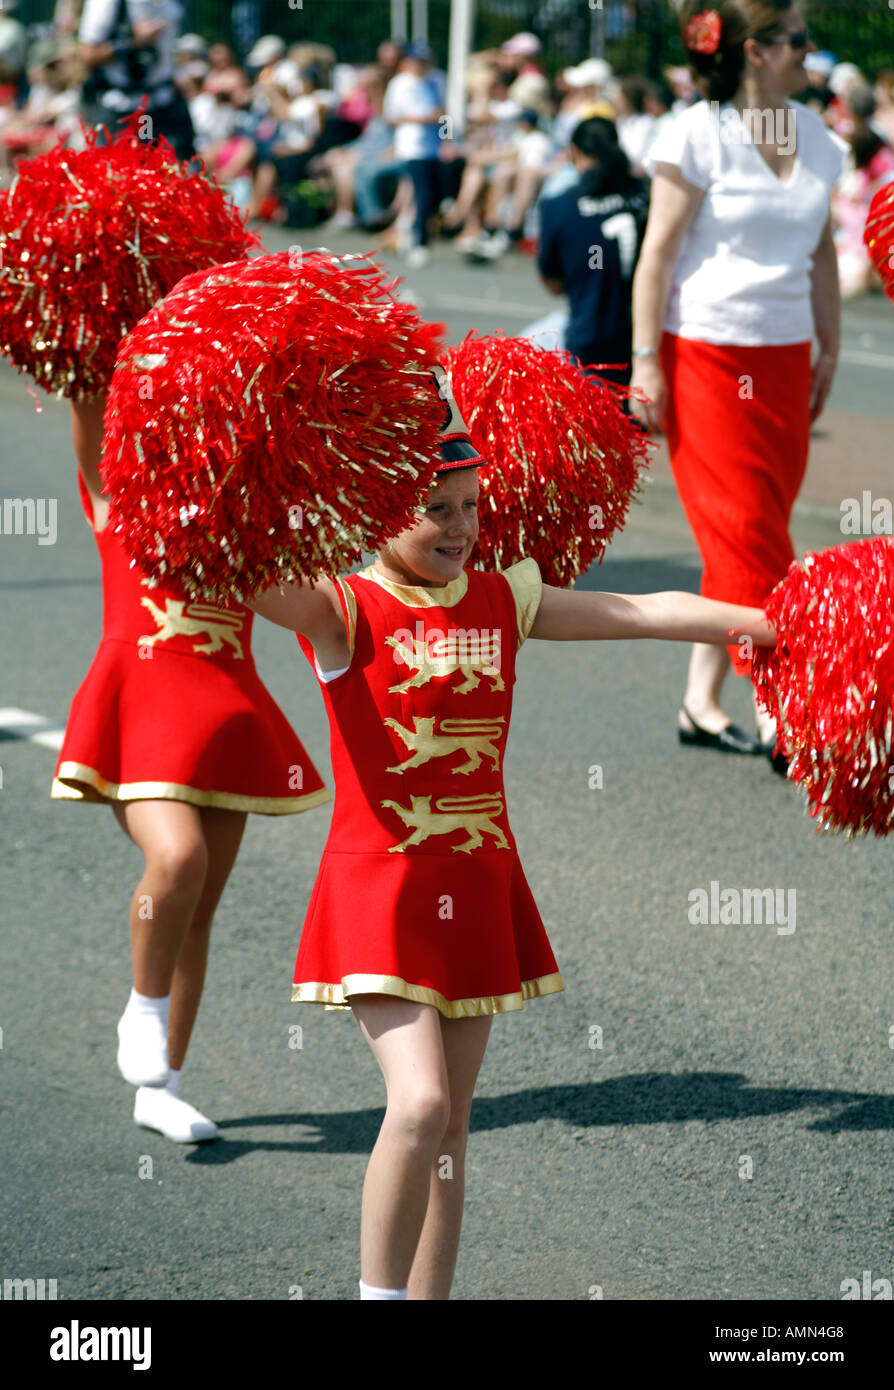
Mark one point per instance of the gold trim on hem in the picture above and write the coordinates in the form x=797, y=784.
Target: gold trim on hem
x=76, y=782
x=419, y=595
x=338, y=996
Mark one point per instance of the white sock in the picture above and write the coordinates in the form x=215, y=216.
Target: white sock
x=147, y=1007
x=174, y=1082
x=368, y=1291
x=143, y=1040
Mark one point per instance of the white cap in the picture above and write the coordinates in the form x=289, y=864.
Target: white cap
x=592, y=72
x=266, y=50
x=287, y=74
x=842, y=76
x=820, y=62
x=193, y=44
x=521, y=46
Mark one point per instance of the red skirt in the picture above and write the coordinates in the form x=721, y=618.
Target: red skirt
x=469, y=941
x=182, y=728
x=738, y=431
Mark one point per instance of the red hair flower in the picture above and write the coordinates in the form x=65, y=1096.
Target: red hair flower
x=703, y=32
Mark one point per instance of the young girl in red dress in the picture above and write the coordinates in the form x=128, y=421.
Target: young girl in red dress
x=421, y=919
x=173, y=728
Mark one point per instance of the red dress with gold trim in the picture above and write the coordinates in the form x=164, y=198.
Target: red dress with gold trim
x=173, y=707
x=420, y=892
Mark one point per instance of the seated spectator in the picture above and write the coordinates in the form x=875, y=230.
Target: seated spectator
x=389, y=56
x=299, y=106
x=269, y=49
x=883, y=120
x=582, y=86
x=222, y=61
x=50, y=109
x=491, y=121
x=513, y=190
x=190, y=60
x=870, y=165
x=589, y=245
x=365, y=200
x=819, y=68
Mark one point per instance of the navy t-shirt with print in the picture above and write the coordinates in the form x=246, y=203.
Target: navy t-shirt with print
x=591, y=244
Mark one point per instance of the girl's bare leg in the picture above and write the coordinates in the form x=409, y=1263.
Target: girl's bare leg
x=465, y=1041
x=222, y=832
x=407, y=1043
x=170, y=835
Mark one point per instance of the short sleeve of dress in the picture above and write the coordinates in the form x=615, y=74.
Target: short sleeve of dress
x=524, y=580
x=688, y=142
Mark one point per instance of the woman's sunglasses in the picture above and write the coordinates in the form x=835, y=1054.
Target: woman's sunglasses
x=800, y=39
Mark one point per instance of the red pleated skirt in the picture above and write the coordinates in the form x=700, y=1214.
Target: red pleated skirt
x=738, y=431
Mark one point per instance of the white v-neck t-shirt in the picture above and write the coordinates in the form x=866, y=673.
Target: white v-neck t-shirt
x=742, y=274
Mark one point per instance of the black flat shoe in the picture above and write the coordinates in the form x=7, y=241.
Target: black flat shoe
x=778, y=761
x=732, y=739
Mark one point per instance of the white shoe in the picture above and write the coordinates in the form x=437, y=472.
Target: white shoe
x=417, y=257
x=490, y=246
x=172, y=1117
x=341, y=221
x=143, y=1050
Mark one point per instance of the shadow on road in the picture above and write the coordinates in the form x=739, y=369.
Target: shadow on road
x=649, y=1099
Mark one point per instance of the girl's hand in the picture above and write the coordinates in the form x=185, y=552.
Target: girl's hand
x=821, y=383
x=649, y=378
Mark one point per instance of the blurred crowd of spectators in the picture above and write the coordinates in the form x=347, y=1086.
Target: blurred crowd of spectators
x=301, y=138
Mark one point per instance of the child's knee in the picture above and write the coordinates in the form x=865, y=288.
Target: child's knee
x=181, y=865
x=421, y=1117
x=456, y=1131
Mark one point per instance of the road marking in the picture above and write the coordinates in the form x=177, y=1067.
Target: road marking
x=509, y=310
x=866, y=359
x=21, y=723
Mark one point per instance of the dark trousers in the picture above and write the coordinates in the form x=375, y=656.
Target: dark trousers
x=170, y=119
x=426, y=178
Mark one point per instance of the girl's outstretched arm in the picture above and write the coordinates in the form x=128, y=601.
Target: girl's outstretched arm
x=567, y=616
x=315, y=612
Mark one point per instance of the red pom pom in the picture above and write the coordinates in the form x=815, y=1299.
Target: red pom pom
x=563, y=458
x=829, y=683
x=89, y=240
x=879, y=236
x=270, y=418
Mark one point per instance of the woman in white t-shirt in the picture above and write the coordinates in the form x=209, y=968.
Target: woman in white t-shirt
x=737, y=273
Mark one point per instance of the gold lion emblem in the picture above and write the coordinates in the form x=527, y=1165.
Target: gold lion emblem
x=177, y=619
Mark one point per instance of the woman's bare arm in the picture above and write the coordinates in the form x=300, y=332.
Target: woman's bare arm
x=673, y=208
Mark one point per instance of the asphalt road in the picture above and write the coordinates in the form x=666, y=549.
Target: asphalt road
x=730, y=1139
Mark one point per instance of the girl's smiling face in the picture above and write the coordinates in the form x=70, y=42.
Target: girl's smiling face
x=437, y=548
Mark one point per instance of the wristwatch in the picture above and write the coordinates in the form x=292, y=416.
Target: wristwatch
x=645, y=352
